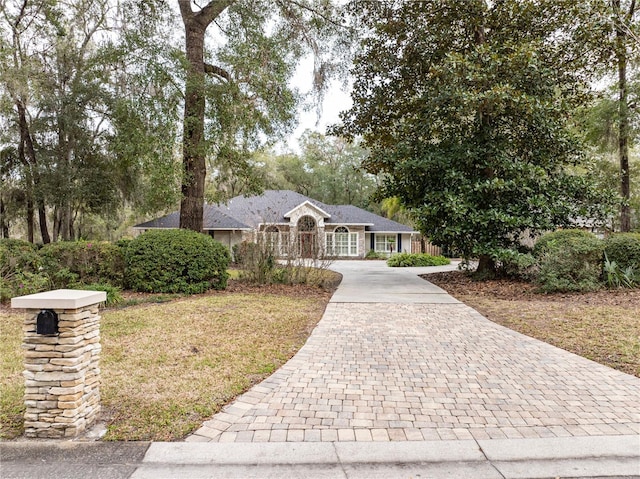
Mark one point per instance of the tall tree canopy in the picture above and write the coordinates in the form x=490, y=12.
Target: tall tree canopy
x=467, y=108
x=236, y=90
x=88, y=117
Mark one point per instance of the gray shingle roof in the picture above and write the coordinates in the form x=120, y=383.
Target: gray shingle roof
x=270, y=207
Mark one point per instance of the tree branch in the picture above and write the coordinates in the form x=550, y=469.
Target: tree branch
x=317, y=12
x=207, y=14
x=218, y=71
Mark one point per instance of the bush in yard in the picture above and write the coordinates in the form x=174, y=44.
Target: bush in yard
x=570, y=260
x=624, y=249
x=20, y=269
x=416, y=259
x=515, y=264
x=18, y=255
x=176, y=261
x=373, y=254
x=86, y=262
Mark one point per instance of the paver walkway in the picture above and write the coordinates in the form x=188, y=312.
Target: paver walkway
x=395, y=358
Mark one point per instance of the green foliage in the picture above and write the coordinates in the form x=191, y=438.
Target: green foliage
x=85, y=262
x=624, y=250
x=515, y=264
x=18, y=255
x=114, y=296
x=569, y=261
x=416, y=259
x=21, y=283
x=616, y=277
x=558, y=239
x=176, y=261
x=373, y=254
x=466, y=107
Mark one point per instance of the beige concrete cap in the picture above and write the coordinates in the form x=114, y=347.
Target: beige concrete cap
x=59, y=299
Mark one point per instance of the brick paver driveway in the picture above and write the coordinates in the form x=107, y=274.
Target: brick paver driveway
x=396, y=359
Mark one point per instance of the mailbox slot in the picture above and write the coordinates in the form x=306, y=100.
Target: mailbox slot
x=47, y=322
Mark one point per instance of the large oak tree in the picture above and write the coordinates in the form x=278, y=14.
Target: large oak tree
x=236, y=91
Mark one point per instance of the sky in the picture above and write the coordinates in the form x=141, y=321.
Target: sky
x=336, y=100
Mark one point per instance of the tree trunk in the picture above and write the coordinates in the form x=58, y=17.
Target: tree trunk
x=623, y=112
x=30, y=228
x=4, y=224
x=486, y=267
x=42, y=216
x=193, y=142
x=193, y=145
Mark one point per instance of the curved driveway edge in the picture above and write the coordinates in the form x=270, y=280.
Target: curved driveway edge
x=424, y=368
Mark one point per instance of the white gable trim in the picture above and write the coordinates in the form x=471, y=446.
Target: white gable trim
x=311, y=205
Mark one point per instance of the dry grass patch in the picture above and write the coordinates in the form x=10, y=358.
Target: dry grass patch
x=603, y=326
x=11, y=380
x=168, y=367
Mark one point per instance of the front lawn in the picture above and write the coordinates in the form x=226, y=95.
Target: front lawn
x=168, y=367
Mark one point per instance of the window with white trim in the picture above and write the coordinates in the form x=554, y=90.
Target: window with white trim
x=274, y=239
x=386, y=243
x=341, y=242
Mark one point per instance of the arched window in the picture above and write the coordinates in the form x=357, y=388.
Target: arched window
x=306, y=223
x=341, y=242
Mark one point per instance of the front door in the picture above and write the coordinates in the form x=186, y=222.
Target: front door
x=307, y=244
x=307, y=237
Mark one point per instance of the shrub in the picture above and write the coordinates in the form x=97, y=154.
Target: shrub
x=570, y=260
x=86, y=262
x=554, y=240
x=616, y=277
x=515, y=264
x=624, y=250
x=176, y=261
x=416, y=259
x=113, y=292
x=21, y=283
x=18, y=255
x=373, y=254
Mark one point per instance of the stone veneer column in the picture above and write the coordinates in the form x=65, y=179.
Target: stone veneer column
x=62, y=376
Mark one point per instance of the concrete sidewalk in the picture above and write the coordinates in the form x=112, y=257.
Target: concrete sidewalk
x=604, y=456
x=397, y=380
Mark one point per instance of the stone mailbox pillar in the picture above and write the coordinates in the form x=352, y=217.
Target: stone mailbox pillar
x=62, y=376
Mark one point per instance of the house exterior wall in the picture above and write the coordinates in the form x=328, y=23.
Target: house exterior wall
x=228, y=238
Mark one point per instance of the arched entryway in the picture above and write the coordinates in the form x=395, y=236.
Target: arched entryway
x=307, y=237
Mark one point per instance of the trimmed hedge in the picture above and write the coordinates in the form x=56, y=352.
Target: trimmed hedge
x=624, y=249
x=570, y=260
x=18, y=255
x=20, y=269
x=402, y=260
x=176, y=261
x=86, y=262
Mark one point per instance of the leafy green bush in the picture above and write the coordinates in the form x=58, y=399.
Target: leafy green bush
x=85, y=262
x=416, y=259
x=176, y=261
x=570, y=260
x=113, y=292
x=18, y=255
x=373, y=254
x=624, y=249
x=21, y=283
x=515, y=264
x=555, y=240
